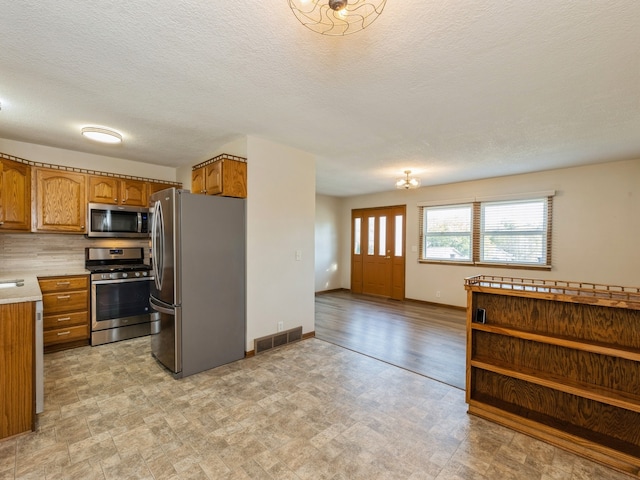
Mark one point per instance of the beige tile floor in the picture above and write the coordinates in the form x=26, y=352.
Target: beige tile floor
x=310, y=410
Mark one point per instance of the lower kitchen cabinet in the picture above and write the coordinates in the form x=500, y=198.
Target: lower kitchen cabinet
x=17, y=399
x=66, y=311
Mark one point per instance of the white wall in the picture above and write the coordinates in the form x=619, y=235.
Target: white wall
x=87, y=161
x=596, y=226
x=328, y=243
x=280, y=221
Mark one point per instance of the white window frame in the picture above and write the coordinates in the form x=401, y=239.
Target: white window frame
x=478, y=234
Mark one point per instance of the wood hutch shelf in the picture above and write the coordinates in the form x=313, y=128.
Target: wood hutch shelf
x=559, y=361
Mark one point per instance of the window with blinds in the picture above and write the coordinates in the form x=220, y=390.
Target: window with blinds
x=515, y=232
x=506, y=232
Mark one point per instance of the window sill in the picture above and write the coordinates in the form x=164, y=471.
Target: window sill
x=487, y=264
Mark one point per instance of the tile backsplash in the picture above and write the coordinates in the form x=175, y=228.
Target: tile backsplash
x=33, y=252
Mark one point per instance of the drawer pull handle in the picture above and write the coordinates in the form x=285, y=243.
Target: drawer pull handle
x=63, y=283
x=64, y=297
x=64, y=333
x=65, y=319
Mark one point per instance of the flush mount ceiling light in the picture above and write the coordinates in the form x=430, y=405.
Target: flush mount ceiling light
x=337, y=17
x=103, y=135
x=407, y=182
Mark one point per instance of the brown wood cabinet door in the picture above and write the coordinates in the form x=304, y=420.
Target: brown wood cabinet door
x=15, y=196
x=234, y=178
x=213, y=178
x=103, y=189
x=134, y=192
x=61, y=202
x=198, y=181
x=17, y=398
x=377, y=252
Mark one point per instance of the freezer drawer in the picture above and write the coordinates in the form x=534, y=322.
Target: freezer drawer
x=165, y=335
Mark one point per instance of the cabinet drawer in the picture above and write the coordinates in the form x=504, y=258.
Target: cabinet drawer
x=62, y=302
x=63, y=283
x=65, y=320
x=66, y=334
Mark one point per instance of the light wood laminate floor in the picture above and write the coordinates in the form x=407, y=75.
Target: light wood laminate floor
x=423, y=338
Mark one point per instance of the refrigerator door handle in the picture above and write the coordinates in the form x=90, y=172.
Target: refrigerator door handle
x=160, y=308
x=157, y=244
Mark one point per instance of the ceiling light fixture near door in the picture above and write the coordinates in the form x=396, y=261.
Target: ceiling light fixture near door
x=337, y=17
x=408, y=181
x=103, y=135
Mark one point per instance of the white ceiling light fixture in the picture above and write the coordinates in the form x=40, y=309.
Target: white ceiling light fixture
x=103, y=135
x=337, y=17
x=407, y=182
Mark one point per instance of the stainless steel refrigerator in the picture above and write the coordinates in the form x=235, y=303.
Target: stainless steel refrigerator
x=198, y=295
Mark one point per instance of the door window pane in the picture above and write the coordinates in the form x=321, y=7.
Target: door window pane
x=399, y=241
x=372, y=235
x=382, y=246
x=356, y=235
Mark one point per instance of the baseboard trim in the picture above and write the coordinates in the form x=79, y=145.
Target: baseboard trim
x=435, y=304
x=333, y=290
x=405, y=299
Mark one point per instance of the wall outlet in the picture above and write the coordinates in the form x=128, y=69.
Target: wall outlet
x=280, y=326
x=438, y=294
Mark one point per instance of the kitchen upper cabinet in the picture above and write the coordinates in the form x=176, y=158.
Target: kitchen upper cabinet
x=117, y=191
x=198, y=184
x=224, y=177
x=60, y=201
x=133, y=192
x=15, y=196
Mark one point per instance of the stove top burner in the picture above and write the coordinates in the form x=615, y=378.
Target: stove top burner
x=114, y=260
x=139, y=267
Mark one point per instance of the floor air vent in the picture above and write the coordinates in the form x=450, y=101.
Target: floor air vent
x=277, y=339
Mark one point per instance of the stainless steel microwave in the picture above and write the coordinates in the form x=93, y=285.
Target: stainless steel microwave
x=109, y=221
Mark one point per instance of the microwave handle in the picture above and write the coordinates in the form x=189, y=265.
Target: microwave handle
x=139, y=222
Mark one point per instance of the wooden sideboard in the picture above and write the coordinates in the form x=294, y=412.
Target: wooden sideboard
x=559, y=361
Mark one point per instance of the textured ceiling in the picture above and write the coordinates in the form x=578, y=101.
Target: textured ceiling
x=451, y=90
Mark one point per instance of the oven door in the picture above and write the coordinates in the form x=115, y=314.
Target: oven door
x=118, y=303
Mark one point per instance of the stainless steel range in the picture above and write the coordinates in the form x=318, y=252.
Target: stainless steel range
x=120, y=287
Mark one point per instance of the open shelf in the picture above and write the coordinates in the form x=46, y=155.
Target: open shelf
x=609, y=396
x=563, y=341
x=559, y=361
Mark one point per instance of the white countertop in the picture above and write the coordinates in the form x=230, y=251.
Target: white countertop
x=30, y=291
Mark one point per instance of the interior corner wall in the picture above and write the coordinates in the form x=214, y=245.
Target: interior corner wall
x=327, y=243
x=596, y=226
x=280, y=238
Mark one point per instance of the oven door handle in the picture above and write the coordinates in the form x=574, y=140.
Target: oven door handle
x=160, y=308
